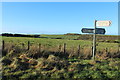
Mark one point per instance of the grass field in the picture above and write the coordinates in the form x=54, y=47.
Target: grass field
x=51, y=62
x=56, y=42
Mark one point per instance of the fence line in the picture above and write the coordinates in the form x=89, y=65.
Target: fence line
x=60, y=48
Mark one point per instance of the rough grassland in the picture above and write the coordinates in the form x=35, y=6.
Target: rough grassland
x=20, y=63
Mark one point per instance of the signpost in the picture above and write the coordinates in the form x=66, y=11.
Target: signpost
x=96, y=31
x=91, y=30
x=103, y=23
x=87, y=30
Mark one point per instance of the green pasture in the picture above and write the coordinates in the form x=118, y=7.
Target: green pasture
x=48, y=42
x=70, y=37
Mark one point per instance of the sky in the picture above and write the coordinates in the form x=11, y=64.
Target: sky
x=60, y=0
x=57, y=17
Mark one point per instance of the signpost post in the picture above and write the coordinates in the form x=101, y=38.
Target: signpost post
x=96, y=31
x=94, y=41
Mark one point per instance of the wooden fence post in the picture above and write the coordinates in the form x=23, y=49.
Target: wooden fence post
x=3, y=45
x=28, y=45
x=23, y=45
x=78, y=50
x=64, y=48
x=39, y=48
x=106, y=50
x=60, y=48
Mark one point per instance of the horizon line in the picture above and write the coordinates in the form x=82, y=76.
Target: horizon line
x=55, y=33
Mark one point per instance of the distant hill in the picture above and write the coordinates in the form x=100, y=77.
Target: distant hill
x=72, y=34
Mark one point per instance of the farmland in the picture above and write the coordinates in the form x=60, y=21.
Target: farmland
x=60, y=56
